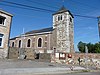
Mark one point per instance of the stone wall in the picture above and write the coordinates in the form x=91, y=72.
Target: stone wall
x=30, y=54
x=45, y=57
x=91, y=58
x=83, y=56
x=15, y=52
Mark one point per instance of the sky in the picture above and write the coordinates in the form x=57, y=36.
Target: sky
x=85, y=29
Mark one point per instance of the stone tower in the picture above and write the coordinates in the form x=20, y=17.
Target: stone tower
x=63, y=25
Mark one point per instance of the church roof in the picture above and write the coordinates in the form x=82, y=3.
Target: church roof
x=40, y=30
x=61, y=10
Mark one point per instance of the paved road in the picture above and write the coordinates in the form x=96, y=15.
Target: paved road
x=87, y=73
x=25, y=67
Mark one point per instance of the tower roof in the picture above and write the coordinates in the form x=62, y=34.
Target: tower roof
x=62, y=10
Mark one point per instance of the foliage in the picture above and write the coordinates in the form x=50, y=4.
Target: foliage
x=92, y=48
x=81, y=46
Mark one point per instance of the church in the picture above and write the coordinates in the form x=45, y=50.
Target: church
x=59, y=37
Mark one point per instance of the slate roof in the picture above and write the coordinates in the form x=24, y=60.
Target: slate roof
x=5, y=12
x=40, y=30
x=61, y=10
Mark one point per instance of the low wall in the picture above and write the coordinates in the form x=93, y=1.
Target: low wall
x=15, y=52
x=91, y=58
x=45, y=56
x=29, y=52
x=75, y=56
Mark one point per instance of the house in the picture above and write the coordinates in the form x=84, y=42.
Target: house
x=5, y=25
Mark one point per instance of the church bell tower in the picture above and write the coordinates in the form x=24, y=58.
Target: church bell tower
x=63, y=24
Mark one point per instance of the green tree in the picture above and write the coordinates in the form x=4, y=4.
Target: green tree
x=81, y=46
x=90, y=48
x=97, y=48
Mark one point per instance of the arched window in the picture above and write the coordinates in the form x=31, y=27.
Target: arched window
x=19, y=44
x=39, y=42
x=28, y=43
x=12, y=44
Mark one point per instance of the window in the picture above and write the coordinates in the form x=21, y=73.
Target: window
x=70, y=19
x=2, y=19
x=59, y=17
x=1, y=40
x=39, y=42
x=19, y=44
x=28, y=43
x=12, y=44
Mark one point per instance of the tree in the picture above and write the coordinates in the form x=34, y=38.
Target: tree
x=81, y=47
x=97, y=48
x=90, y=48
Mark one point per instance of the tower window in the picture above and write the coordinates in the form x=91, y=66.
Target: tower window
x=70, y=19
x=1, y=40
x=2, y=19
x=28, y=43
x=39, y=42
x=59, y=17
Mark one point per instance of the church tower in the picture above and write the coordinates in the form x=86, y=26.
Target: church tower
x=63, y=24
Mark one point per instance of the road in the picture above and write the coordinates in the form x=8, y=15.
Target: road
x=29, y=67
x=85, y=73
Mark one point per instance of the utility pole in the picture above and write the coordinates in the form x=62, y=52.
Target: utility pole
x=99, y=27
